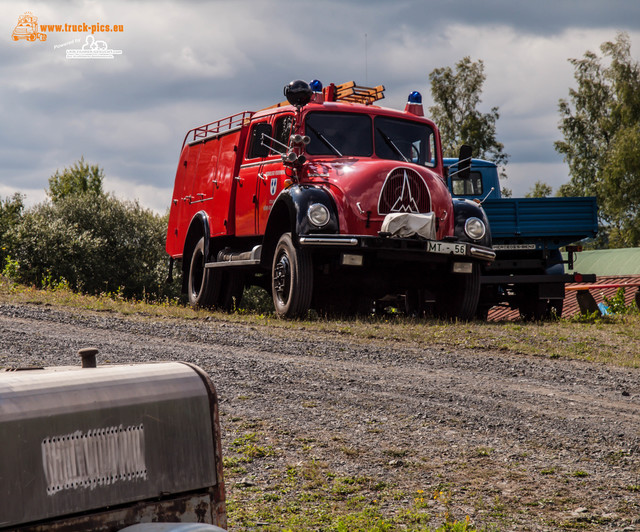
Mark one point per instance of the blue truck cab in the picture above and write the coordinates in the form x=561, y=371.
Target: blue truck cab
x=528, y=234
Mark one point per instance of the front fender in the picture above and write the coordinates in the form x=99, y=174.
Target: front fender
x=289, y=214
x=464, y=209
x=295, y=201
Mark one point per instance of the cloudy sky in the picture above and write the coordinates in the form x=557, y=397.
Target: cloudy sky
x=191, y=62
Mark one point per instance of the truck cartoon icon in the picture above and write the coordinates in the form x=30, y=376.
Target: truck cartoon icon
x=27, y=28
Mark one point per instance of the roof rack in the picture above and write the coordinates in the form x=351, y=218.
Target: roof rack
x=346, y=92
x=351, y=92
x=219, y=126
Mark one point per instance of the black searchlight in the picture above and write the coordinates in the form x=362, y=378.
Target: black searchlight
x=298, y=93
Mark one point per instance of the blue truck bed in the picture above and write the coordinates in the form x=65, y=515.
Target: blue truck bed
x=554, y=222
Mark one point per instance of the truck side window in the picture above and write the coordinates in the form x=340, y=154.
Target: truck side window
x=282, y=131
x=256, y=149
x=470, y=187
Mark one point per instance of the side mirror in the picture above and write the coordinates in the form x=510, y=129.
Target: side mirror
x=464, y=161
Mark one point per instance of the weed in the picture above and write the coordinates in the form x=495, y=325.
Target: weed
x=484, y=451
x=247, y=447
x=396, y=453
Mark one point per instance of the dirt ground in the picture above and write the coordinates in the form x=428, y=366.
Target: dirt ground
x=514, y=442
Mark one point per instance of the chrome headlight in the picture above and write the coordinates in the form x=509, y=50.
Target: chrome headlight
x=318, y=215
x=475, y=228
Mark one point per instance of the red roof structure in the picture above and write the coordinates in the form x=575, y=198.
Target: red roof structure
x=571, y=307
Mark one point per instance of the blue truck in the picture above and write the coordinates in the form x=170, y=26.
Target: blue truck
x=528, y=273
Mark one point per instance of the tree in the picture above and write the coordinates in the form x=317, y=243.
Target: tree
x=456, y=96
x=78, y=179
x=11, y=209
x=600, y=123
x=539, y=190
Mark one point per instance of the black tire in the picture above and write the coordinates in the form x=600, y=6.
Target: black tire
x=482, y=313
x=458, y=297
x=231, y=293
x=414, y=303
x=291, y=279
x=533, y=309
x=204, y=286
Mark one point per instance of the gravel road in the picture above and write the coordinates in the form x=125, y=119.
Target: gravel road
x=525, y=443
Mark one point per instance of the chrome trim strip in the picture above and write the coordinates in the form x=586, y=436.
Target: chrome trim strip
x=320, y=241
x=232, y=263
x=482, y=253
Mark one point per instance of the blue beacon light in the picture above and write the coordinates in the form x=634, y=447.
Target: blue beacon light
x=316, y=85
x=415, y=97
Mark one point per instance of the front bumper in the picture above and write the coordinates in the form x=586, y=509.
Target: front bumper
x=400, y=248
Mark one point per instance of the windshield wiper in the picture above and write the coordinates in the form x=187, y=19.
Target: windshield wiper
x=392, y=144
x=325, y=141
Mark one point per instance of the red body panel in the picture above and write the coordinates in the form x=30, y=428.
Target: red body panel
x=205, y=182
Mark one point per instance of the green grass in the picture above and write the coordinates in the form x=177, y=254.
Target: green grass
x=606, y=340
x=310, y=496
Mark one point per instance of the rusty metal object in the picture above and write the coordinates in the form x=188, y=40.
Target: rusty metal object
x=110, y=447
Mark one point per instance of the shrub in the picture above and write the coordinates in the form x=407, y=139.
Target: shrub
x=96, y=243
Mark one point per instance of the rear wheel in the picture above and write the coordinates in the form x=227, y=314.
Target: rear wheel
x=205, y=284
x=232, y=289
x=534, y=309
x=291, y=279
x=458, y=296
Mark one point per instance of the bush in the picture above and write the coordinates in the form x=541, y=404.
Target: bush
x=94, y=242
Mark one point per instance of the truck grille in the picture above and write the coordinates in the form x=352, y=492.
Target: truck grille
x=404, y=190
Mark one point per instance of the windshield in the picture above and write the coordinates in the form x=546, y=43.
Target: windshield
x=404, y=140
x=345, y=134
x=339, y=134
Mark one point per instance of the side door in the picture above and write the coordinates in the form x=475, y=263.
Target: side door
x=246, y=198
x=272, y=174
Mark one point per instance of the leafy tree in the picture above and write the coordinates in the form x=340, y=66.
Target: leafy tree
x=11, y=209
x=78, y=179
x=456, y=96
x=96, y=242
x=539, y=190
x=600, y=123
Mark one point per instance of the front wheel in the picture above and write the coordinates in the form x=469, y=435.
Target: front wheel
x=291, y=279
x=458, y=296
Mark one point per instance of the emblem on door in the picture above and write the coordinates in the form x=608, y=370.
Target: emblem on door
x=274, y=185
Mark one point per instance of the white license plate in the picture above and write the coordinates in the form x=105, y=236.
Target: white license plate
x=447, y=248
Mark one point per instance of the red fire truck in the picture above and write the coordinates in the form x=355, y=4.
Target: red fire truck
x=328, y=201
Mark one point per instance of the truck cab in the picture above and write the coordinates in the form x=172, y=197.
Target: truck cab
x=328, y=201
x=528, y=235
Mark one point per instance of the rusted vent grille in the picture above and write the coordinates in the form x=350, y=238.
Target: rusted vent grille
x=404, y=191
x=95, y=458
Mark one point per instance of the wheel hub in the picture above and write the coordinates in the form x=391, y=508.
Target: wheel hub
x=282, y=278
